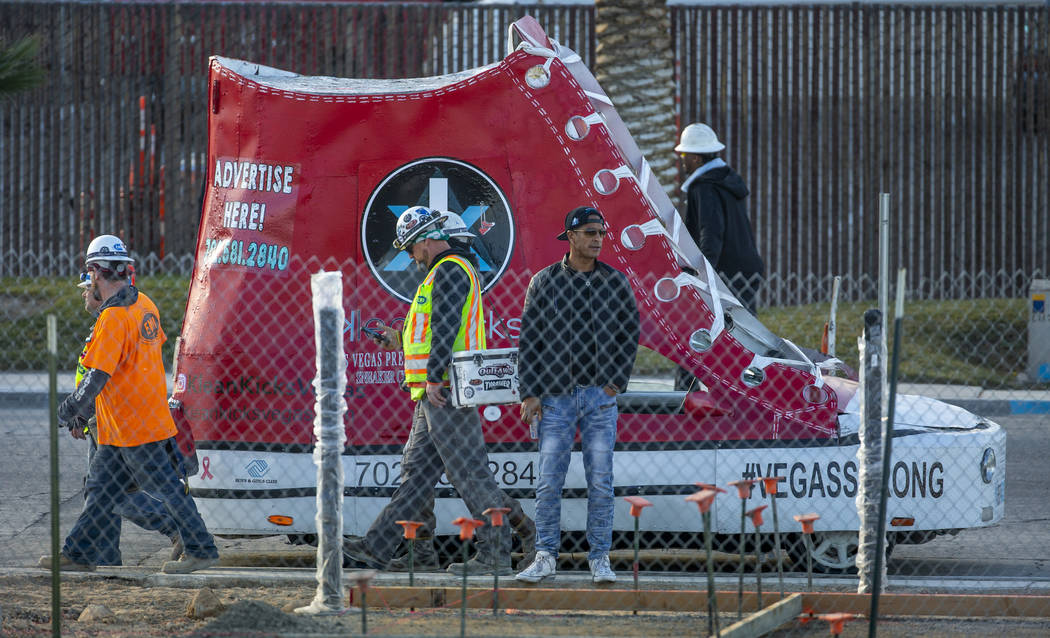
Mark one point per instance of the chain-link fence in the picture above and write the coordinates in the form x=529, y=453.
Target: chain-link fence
x=821, y=107
x=245, y=390
x=658, y=448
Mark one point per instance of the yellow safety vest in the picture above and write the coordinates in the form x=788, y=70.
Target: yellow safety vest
x=416, y=334
x=81, y=370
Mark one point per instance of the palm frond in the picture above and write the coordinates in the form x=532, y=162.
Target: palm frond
x=19, y=70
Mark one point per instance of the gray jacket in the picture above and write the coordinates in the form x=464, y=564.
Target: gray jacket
x=569, y=314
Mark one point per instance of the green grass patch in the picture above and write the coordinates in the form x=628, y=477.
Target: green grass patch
x=25, y=304
x=980, y=342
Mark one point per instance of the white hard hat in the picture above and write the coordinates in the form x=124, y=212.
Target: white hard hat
x=699, y=138
x=456, y=227
x=106, y=248
x=416, y=221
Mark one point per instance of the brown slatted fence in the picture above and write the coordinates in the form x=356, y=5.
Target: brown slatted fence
x=73, y=159
x=945, y=107
x=824, y=107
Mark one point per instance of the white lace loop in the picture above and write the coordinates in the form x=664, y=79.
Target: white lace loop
x=598, y=97
x=762, y=362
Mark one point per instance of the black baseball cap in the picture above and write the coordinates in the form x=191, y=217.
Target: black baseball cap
x=578, y=217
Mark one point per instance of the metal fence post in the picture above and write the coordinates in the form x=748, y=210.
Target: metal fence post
x=52, y=369
x=869, y=455
x=887, y=444
x=330, y=384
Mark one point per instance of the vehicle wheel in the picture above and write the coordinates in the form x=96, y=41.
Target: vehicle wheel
x=833, y=552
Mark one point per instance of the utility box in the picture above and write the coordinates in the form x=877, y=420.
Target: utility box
x=1039, y=332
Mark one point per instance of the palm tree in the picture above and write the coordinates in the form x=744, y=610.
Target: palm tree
x=634, y=66
x=19, y=70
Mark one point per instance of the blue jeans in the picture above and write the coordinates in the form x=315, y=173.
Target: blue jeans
x=594, y=412
x=114, y=469
x=140, y=508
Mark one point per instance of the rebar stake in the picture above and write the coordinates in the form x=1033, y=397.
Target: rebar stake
x=637, y=503
x=807, y=531
x=410, y=528
x=756, y=520
x=466, y=532
x=704, y=499
x=495, y=515
x=770, y=485
x=743, y=490
x=363, y=578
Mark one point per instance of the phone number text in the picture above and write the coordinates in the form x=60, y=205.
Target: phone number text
x=384, y=474
x=253, y=255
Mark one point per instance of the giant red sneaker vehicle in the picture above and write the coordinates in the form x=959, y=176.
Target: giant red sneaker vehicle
x=311, y=173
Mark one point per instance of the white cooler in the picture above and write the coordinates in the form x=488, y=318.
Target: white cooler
x=484, y=377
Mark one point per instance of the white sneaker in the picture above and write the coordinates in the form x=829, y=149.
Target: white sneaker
x=187, y=564
x=601, y=570
x=544, y=566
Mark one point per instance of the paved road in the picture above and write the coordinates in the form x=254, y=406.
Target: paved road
x=1017, y=548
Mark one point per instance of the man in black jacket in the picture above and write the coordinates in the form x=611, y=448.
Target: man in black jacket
x=716, y=213
x=579, y=336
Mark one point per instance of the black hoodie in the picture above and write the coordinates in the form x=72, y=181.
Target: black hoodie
x=716, y=216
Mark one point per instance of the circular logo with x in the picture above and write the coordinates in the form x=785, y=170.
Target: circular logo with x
x=446, y=185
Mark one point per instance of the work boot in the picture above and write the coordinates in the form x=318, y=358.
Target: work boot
x=426, y=558
x=65, y=564
x=357, y=554
x=526, y=531
x=187, y=564
x=481, y=567
x=177, y=547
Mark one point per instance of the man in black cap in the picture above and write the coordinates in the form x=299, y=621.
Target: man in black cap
x=579, y=336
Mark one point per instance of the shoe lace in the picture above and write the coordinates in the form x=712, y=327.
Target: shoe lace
x=543, y=561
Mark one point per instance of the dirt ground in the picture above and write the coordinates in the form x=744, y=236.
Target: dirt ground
x=25, y=603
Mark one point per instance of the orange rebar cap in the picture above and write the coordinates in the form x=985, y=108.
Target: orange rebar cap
x=362, y=577
x=756, y=515
x=709, y=486
x=467, y=527
x=807, y=615
x=495, y=514
x=410, y=528
x=703, y=499
x=837, y=621
x=807, y=521
x=743, y=487
x=637, y=503
x=770, y=483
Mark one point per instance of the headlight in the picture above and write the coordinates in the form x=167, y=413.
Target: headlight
x=988, y=465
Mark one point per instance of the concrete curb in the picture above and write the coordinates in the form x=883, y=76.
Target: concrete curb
x=1001, y=407
x=272, y=577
